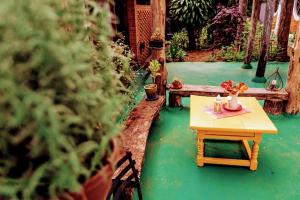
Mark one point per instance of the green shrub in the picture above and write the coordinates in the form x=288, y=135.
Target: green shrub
x=175, y=49
x=204, y=38
x=181, y=54
x=229, y=53
x=60, y=95
x=180, y=39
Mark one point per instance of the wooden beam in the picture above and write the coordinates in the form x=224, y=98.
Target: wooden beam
x=226, y=161
x=159, y=23
x=247, y=148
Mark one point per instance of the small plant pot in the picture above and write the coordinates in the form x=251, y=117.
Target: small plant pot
x=176, y=85
x=156, y=44
x=151, y=91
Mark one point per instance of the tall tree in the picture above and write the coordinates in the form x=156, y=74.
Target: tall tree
x=284, y=29
x=193, y=15
x=265, y=43
x=293, y=80
x=242, y=10
x=251, y=37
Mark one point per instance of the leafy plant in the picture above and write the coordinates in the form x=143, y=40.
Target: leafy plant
x=175, y=49
x=228, y=53
x=154, y=67
x=180, y=39
x=122, y=60
x=56, y=82
x=192, y=15
x=204, y=38
x=181, y=54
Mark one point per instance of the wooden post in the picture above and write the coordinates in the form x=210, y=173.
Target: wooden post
x=284, y=29
x=159, y=21
x=293, y=79
x=265, y=43
x=242, y=10
x=251, y=38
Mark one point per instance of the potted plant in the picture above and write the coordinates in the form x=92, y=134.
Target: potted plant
x=55, y=140
x=151, y=89
x=156, y=40
x=176, y=83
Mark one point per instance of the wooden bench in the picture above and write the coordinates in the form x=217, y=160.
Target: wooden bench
x=274, y=100
x=136, y=130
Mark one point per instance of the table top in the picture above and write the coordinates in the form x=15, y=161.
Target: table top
x=257, y=121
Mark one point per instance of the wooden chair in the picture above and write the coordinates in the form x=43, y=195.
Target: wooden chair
x=127, y=178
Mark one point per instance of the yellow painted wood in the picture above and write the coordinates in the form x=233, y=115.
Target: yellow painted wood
x=227, y=161
x=228, y=137
x=227, y=133
x=247, y=147
x=256, y=121
x=249, y=126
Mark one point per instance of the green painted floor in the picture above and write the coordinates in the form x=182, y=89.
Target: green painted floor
x=170, y=171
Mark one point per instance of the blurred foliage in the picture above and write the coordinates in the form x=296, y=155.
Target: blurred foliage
x=60, y=95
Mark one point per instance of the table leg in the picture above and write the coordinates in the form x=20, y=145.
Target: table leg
x=254, y=154
x=200, y=157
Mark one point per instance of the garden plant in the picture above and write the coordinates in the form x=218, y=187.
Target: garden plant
x=57, y=79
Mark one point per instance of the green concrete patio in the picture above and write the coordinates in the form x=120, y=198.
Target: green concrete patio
x=170, y=170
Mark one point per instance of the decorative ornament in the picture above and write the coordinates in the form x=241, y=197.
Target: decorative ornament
x=274, y=81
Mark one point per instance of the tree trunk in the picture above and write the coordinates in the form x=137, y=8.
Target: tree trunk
x=251, y=37
x=242, y=9
x=192, y=38
x=293, y=79
x=265, y=43
x=284, y=29
x=159, y=21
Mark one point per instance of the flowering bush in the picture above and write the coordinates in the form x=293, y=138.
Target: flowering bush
x=234, y=88
x=224, y=26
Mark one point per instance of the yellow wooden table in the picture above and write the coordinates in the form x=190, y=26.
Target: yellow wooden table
x=249, y=126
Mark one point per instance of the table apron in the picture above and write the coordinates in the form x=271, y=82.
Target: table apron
x=226, y=133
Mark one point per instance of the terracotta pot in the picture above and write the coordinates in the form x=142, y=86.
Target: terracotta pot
x=98, y=186
x=151, y=91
